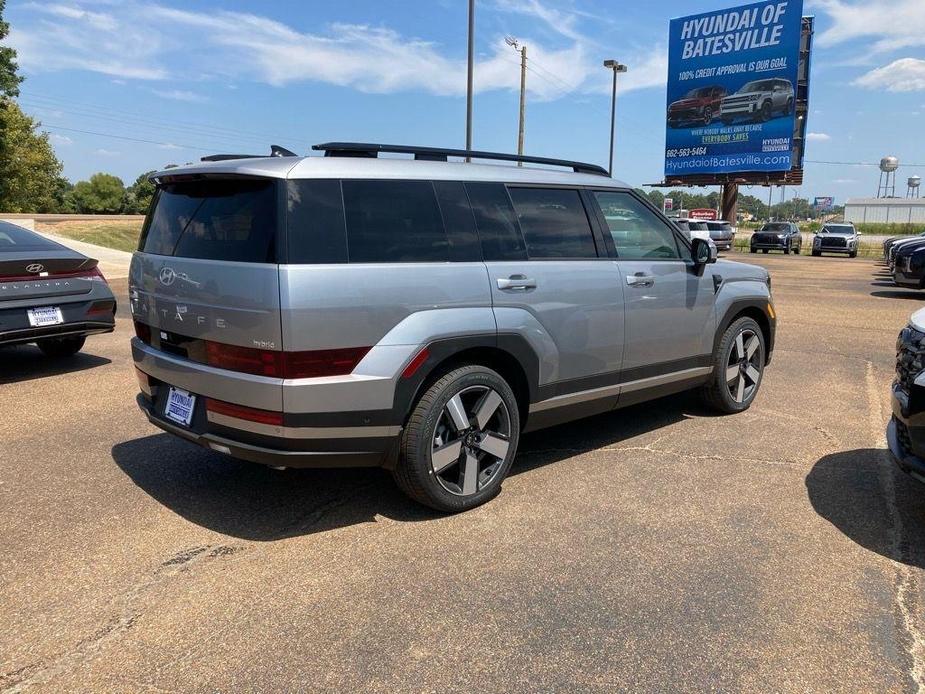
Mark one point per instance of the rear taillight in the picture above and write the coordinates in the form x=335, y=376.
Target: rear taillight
x=94, y=274
x=251, y=414
x=101, y=308
x=143, y=332
x=144, y=381
x=261, y=362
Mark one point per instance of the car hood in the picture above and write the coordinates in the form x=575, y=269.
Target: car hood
x=917, y=320
x=829, y=235
x=733, y=270
x=681, y=103
x=908, y=248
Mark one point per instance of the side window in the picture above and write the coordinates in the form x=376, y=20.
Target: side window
x=554, y=223
x=316, y=230
x=497, y=225
x=638, y=233
x=394, y=222
x=459, y=221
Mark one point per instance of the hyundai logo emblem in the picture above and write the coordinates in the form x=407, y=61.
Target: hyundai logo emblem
x=167, y=276
x=35, y=268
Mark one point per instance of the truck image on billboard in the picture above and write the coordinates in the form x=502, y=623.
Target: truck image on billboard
x=732, y=81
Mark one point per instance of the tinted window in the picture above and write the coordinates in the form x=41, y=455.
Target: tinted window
x=14, y=238
x=776, y=227
x=233, y=220
x=554, y=223
x=316, y=228
x=497, y=225
x=393, y=222
x=458, y=221
x=637, y=231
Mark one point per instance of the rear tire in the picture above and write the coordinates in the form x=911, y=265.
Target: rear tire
x=61, y=346
x=738, y=368
x=853, y=254
x=460, y=440
x=764, y=250
x=754, y=250
x=816, y=254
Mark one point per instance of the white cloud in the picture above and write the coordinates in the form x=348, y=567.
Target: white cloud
x=140, y=40
x=818, y=137
x=181, y=95
x=60, y=139
x=843, y=181
x=106, y=152
x=894, y=23
x=903, y=75
x=169, y=145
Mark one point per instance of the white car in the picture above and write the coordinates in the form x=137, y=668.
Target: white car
x=759, y=101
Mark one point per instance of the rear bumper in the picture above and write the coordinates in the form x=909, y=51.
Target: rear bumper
x=778, y=246
x=369, y=452
x=26, y=335
x=86, y=313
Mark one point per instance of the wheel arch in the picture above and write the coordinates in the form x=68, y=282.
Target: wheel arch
x=510, y=356
x=755, y=309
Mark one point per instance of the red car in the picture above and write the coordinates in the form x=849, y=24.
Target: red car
x=698, y=106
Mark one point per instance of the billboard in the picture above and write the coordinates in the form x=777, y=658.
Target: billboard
x=824, y=204
x=732, y=89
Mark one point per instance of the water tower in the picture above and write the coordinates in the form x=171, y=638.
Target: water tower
x=887, y=186
x=914, y=183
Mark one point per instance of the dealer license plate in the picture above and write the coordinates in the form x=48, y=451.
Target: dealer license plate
x=47, y=315
x=180, y=406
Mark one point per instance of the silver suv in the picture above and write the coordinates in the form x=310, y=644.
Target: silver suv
x=759, y=100
x=420, y=314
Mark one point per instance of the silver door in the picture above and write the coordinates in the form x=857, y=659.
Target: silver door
x=669, y=321
x=566, y=298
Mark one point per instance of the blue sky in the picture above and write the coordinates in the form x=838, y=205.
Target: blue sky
x=196, y=78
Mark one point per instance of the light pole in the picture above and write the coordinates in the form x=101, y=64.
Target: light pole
x=616, y=67
x=512, y=42
x=471, y=59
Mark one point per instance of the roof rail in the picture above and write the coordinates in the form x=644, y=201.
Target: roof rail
x=372, y=150
x=275, y=151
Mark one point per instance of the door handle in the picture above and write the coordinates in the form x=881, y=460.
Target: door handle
x=516, y=282
x=640, y=280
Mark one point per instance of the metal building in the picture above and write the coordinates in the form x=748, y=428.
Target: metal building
x=886, y=210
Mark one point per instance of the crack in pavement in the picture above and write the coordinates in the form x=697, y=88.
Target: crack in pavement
x=905, y=598
x=89, y=647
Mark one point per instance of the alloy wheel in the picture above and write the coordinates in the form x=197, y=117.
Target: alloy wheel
x=743, y=367
x=471, y=440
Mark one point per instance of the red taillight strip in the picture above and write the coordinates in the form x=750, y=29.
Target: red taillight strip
x=251, y=414
x=260, y=362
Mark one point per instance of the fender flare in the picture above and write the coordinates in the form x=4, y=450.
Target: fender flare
x=735, y=308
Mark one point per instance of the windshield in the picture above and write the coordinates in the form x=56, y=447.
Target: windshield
x=698, y=93
x=776, y=227
x=225, y=219
x=14, y=238
x=719, y=226
x=698, y=226
x=838, y=229
x=759, y=86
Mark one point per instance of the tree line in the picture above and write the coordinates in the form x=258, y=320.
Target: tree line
x=795, y=208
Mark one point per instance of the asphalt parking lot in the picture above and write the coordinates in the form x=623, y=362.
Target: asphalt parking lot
x=655, y=548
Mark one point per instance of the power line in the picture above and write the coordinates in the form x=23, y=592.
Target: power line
x=123, y=137
x=853, y=163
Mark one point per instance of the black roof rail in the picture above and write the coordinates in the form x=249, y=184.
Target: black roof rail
x=373, y=150
x=275, y=151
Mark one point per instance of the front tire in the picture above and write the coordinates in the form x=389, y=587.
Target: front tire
x=816, y=254
x=738, y=367
x=460, y=440
x=61, y=346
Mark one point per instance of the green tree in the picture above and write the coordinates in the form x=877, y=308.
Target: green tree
x=138, y=195
x=30, y=173
x=102, y=194
x=656, y=197
x=9, y=78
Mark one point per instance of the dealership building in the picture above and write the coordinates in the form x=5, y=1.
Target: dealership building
x=886, y=210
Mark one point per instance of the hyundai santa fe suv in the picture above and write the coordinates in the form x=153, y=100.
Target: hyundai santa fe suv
x=420, y=314
x=759, y=100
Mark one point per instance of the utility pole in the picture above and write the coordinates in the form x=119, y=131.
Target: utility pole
x=471, y=60
x=616, y=67
x=512, y=42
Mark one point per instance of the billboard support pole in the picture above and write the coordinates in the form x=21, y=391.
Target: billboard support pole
x=730, y=202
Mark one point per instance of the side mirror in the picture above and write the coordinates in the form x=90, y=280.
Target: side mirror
x=704, y=251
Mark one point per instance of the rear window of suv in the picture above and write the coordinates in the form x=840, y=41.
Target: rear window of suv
x=225, y=219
